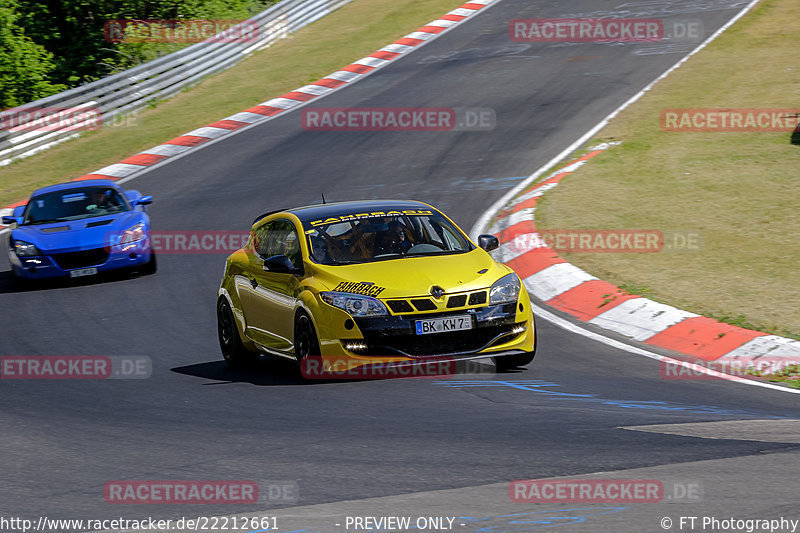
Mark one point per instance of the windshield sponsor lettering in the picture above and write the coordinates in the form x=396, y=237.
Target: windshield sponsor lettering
x=374, y=214
x=366, y=288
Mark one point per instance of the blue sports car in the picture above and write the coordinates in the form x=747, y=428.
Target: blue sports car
x=80, y=228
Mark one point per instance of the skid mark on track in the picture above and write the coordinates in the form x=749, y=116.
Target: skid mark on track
x=544, y=388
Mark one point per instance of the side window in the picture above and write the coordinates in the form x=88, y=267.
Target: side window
x=262, y=239
x=278, y=237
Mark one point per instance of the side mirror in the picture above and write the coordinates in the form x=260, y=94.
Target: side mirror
x=280, y=264
x=488, y=242
x=144, y=200
x=7, y=220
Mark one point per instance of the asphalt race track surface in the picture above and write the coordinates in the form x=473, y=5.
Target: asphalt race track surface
x=63, y=440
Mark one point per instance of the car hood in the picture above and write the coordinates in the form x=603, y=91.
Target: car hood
x=414, y=276
x=77, y=235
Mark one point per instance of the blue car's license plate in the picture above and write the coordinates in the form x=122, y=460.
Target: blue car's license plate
x=82, y=272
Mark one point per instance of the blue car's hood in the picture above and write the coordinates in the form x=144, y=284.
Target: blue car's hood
x=77, y=235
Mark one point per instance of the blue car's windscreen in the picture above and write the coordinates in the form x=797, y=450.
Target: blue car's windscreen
x=74, y=204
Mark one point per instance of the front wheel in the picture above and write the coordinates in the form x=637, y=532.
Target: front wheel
x=19, y=283
x=306, y=343
x=235, y=354
x=508, y=362
x=151, y=266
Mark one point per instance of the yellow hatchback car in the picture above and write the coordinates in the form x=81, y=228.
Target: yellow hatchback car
x=368, y=282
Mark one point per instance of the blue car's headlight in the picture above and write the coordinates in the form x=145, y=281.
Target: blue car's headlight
x=132, y=234
x=355, y=304
x=25, y=249
x=505, y=289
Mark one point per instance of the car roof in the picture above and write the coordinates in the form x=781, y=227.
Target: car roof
x=319, y=211
x=75, y=185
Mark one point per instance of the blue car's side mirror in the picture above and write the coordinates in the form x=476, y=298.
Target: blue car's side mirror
x=9, y=220
x=144, y=200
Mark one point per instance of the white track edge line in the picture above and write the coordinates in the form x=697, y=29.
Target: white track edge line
x=575, y=328
x=487, y=216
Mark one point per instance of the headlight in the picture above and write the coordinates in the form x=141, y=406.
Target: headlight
x=132, y=234
x=25, y=249
x=355, y=304
x=504, y=290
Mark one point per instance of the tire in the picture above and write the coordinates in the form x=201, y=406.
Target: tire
x=151, y=267
x=306, y=343
x=234, y=353
x=508, y=362
x=19, y=283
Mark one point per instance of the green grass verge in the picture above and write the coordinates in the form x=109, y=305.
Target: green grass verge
x=352, y=32
x=789, y=376
x=738, y=191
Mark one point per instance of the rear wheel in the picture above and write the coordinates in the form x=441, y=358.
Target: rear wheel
x=235, y=354
x=508, y=362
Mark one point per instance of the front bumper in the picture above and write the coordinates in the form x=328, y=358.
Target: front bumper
x=495, y=329
x=60, y=265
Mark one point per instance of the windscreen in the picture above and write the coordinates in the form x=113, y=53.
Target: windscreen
x=74, y=204
x=367, y=238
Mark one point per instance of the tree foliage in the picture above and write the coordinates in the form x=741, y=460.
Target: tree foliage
x=24, y=65
x=64, y=42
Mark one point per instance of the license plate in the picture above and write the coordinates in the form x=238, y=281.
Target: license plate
x=82, y=272
x=442, y=325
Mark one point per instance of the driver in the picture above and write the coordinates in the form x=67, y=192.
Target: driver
x=393, y=240
x=100, y=199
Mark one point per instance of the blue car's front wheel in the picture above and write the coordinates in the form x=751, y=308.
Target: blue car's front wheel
x=19, y=283
x=151, y=266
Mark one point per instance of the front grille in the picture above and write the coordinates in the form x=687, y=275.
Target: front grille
x=437, y=343
x=459, y=300
x=400, y=306
x=477, y=298
x=82, y=259
x=424, y=304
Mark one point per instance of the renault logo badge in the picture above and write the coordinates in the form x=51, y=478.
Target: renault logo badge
x=437, y=292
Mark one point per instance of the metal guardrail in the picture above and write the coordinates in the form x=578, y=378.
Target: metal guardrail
x=123, y=93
